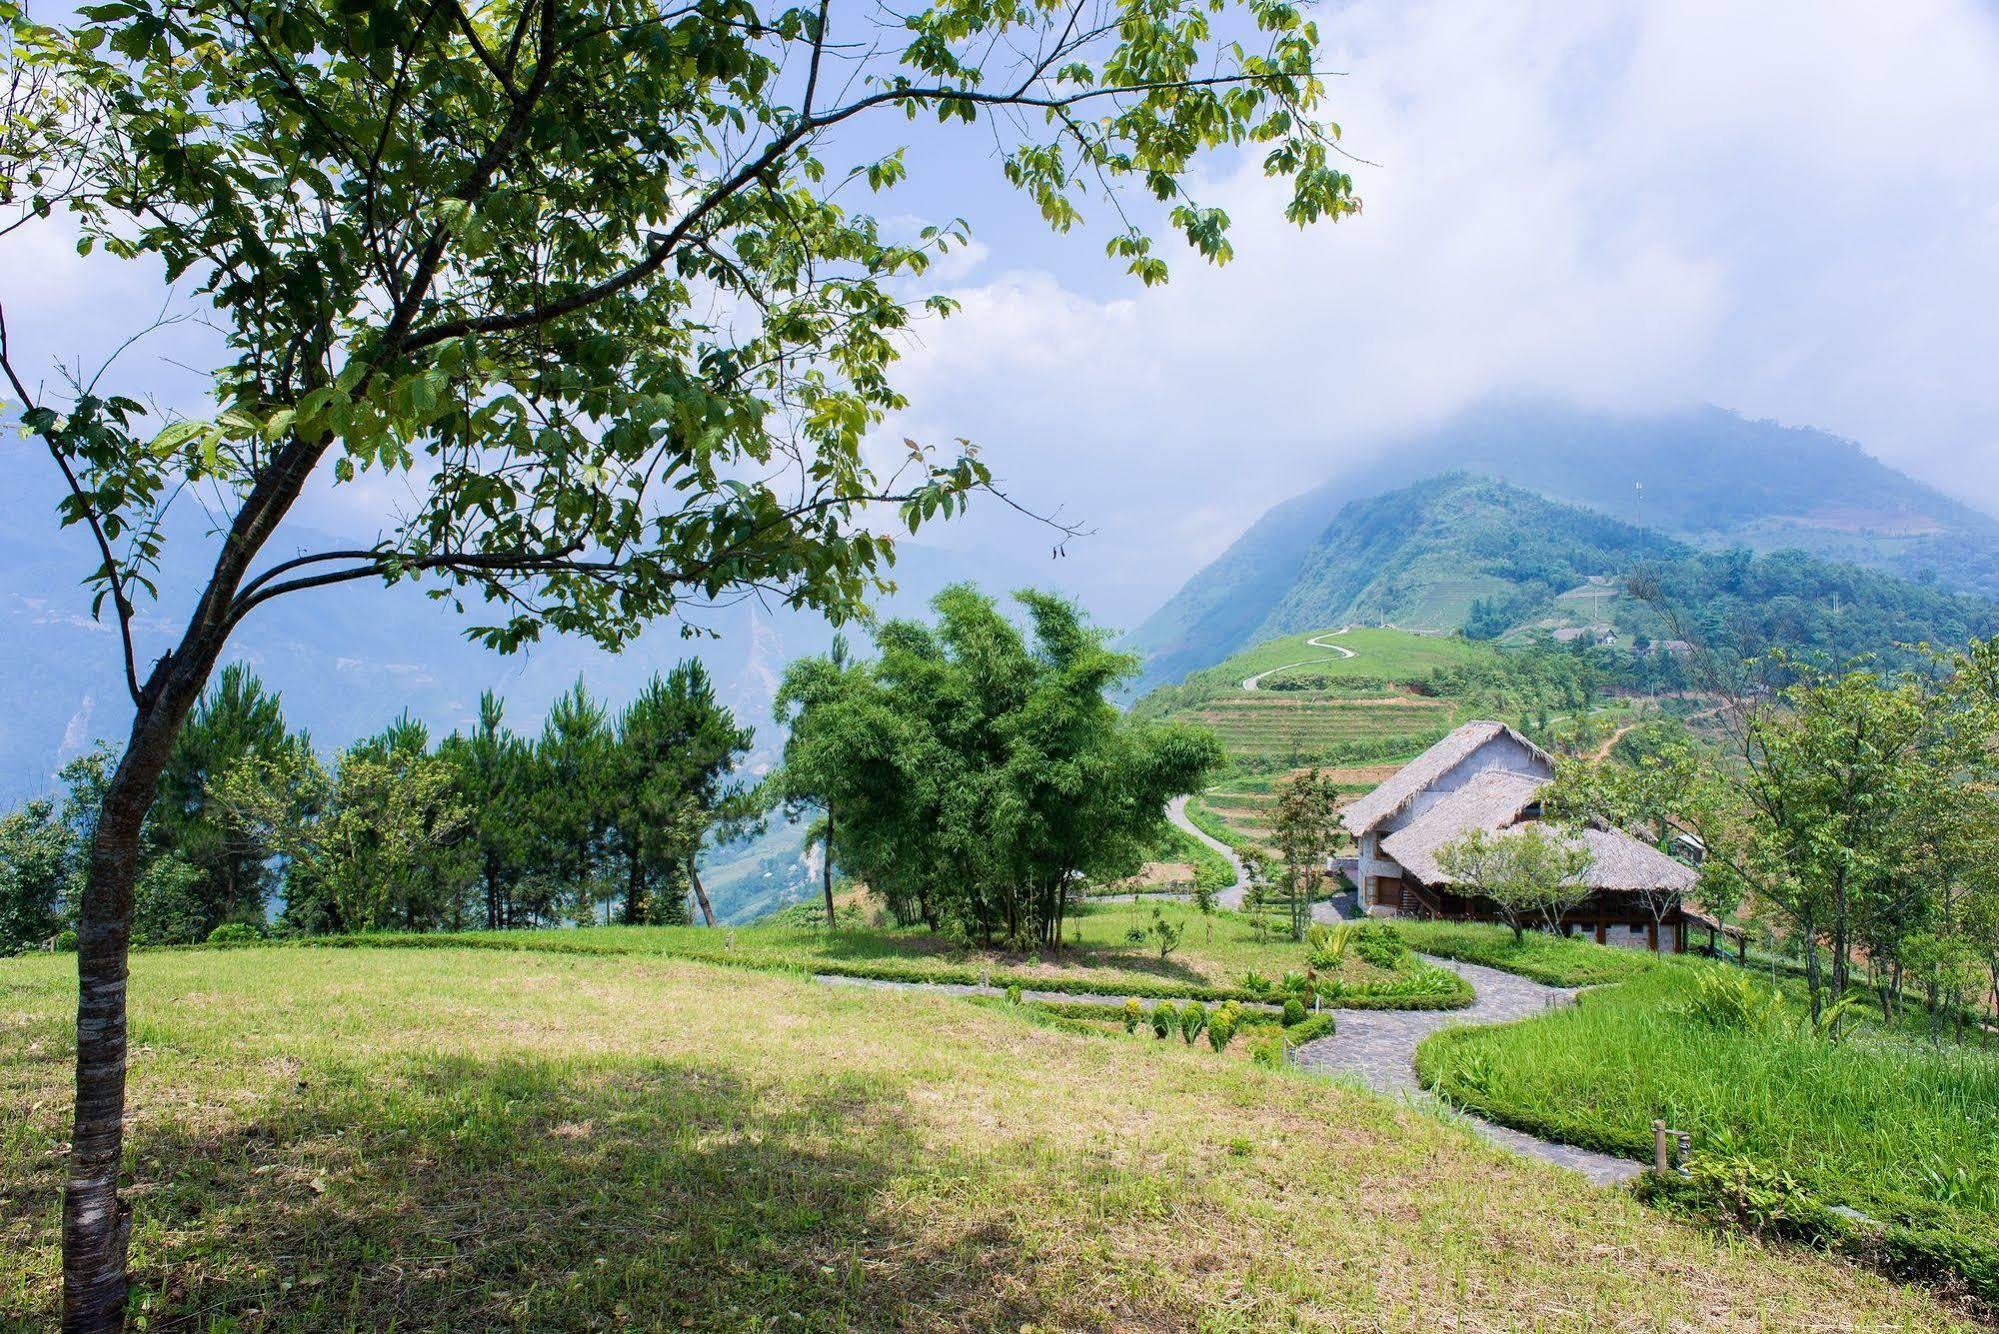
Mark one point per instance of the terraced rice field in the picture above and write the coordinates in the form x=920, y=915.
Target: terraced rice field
x=1243, y=804
x=1299, y=727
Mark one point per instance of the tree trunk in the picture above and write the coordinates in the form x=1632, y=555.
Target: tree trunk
x=700, y=894
x=827, y=871
x=96, y=1223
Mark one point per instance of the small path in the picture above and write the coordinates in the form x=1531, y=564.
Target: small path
x=1380, y=1047
x=1318, y=641
x=1230, y=898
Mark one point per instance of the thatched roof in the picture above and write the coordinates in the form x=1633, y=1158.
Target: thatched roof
x=1420, y=773
x=1490, y=801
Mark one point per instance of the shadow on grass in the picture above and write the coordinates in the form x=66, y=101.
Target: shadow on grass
x=466, y=1194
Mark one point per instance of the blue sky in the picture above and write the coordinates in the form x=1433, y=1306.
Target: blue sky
x=1789, y=209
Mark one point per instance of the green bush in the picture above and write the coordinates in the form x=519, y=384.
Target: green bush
x=1729, y=1000
x=1326, y=946
x=1221, y=1028
x=1294, y=1012
x=1193, y=1020
x=1133, y=1014
x=1255, y=984
x=1164, y=1019
x=1377, y=943
x=1268, y=1052
x=1013, y=993
x=234, y=933
x=64, y=943
x=1311, y=1030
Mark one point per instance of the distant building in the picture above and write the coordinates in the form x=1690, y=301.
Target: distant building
x=1487, y=776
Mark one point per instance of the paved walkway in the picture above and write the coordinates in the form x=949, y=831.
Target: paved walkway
x=1380, y=1047
x=1230, y=898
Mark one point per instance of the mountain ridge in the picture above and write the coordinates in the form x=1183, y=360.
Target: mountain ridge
x=1710, y=478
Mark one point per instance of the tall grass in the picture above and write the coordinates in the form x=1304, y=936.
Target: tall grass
x=1903, y=1132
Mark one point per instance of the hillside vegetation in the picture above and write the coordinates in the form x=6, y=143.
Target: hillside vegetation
x=1709, y=478
x=473, y=1139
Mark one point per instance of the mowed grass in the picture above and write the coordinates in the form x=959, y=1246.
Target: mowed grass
x=1099, y=956
x=1904, y=1132
x=467, y=1139
x=1395, y=655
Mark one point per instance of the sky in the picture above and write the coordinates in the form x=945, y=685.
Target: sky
x=1787, y=209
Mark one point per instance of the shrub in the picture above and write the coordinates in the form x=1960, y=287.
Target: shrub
x=1377, y=943
x=1193, y=1020
x=64, y=943
x=1294, y=1012
x=1314, y=1028
x=1134, y=935
x=1164, y=1019
x=1295, y=984
x=1013, y=994
x=1255, y=983
x=234, y=933
x=1326, y=946
x=1268, y=1052
x=1729, y=1000
x=1134, y=1014
x=1221, y=1029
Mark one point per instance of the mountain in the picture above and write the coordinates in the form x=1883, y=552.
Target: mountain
x=1461, y=552
x=1709, y=477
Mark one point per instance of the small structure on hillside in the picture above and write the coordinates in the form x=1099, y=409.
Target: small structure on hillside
x=1487, y=776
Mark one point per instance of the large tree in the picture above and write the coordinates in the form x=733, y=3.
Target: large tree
x=670, y=766
x=580, y=273
x=980, y=777
x=236, y=721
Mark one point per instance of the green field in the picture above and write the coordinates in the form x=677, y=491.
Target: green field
x=1790, y=1126
x=1100, y=957
x=471, y=1139
x=1392, y=655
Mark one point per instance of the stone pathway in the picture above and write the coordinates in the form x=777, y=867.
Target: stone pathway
x=1379, y=1046
x=1230, y=898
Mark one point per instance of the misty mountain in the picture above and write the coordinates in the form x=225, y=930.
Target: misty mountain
x=1705, y=476
x=1461, y=552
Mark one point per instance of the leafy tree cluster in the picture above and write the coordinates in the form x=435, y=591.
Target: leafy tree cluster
x=1753, y=605
x=599, y=817
x=980, y=776
x=1854, y=809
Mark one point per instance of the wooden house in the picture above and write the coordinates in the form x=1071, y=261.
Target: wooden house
x=1487, y=776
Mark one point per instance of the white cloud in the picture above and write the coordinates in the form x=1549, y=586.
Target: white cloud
x=1787, y=209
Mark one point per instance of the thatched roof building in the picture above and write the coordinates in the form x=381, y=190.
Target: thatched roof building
x=1488, y=777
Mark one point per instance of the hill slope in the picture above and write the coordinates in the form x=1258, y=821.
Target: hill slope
x=1710, y=478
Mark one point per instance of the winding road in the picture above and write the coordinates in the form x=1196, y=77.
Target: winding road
x=1317, y=641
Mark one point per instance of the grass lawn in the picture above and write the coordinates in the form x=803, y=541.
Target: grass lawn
x=471, y=1139
x=1394, y=655
x=1209, y=963
x=1906, y=1133
x=1552, y=960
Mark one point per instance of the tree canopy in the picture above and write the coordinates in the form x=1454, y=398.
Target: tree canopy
x=979, y=775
